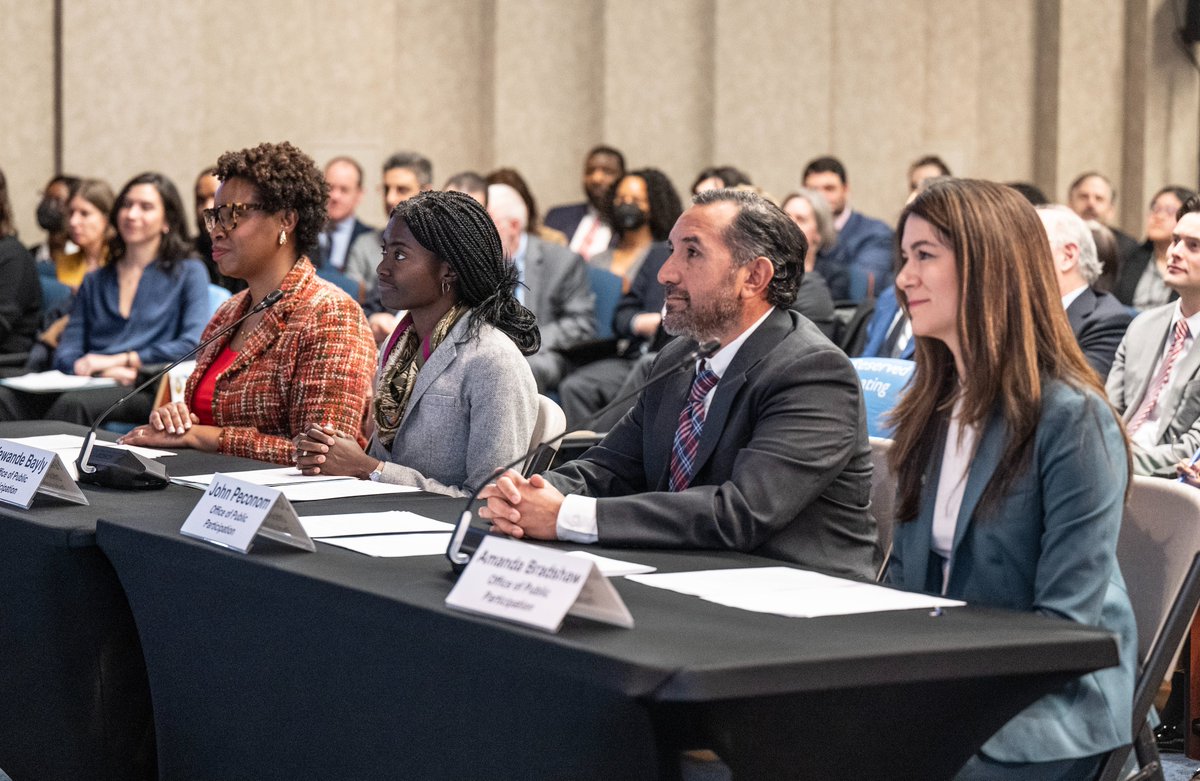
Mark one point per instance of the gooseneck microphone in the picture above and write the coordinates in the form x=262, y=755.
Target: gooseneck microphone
x=455, y=552
x=117, y=468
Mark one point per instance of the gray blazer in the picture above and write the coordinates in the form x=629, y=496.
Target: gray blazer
x=473, y=409
x=1178, y=433
x=362, y=257
x=559, y=294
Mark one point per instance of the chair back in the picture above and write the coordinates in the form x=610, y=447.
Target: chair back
x=338, y=279
x=607, y=287
x=53, y=292
x=217, y=295
x=882, y=380
x=883, y=496
x=551, y=422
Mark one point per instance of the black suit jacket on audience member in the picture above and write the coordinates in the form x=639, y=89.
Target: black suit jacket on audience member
x=565, y=218
x=783, y=467
x=1098, y=321
x=20, y=297
x=645, y=295
x=1131, y=271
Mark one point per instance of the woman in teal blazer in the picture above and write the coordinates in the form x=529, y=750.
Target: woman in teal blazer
x=1012, y=467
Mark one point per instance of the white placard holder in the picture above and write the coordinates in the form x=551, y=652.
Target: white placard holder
x=538, y=587
x=27, y=471
x=233, y=512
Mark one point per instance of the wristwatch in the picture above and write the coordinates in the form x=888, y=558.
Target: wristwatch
x=376, y=473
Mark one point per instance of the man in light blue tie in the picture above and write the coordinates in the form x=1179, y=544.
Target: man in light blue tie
x=761, y=448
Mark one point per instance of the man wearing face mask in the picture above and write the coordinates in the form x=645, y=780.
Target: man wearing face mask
x=52, y=218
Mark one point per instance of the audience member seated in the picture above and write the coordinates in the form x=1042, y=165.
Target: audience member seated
x=308, y=358
x=345, y=179
x=1097, y=319
x=147, y=306
x=512, y=177
x=1030, y=192
x=52, y=218
x=471, y=184
x=1141, y=280
x=20, y=295
x=701, y=459
x=642, y=207
x=719, y=176
x=1011, y=466
x=90, y=231
x=810, y=212
x=1155, y=378
x=586, y=225
x=454, y=398
x=1106, y=253
x=927, y=167
x=404, y=175
x=864, y=244
x=552, y=283
x=1093, y=197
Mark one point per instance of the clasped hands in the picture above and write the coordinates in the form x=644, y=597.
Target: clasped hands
x=325, y=450
x=521, y=507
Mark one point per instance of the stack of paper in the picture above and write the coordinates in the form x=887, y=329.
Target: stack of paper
x=790, y=592
x=55, y=382
x=298, y=487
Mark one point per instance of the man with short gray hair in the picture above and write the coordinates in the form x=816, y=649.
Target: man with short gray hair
x=1098, y=319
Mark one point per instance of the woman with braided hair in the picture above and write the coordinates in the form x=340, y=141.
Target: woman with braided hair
x=454, y=396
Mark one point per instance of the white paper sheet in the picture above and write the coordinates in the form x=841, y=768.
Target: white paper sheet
x=613, y=568
x=55, y=382
x=356, y=524
x=274, y=477
x=790, y=592
x=394, y=545
x=340, y=489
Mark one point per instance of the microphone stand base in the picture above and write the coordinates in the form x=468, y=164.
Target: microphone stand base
x=116, y=468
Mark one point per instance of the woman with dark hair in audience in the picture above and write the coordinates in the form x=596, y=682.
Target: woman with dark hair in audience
x=642, y=208
x=20, y=295
x=52, y=218
x=512, y=177
x=718, y=177
x=308, y=359
x=1012, y=466
x=1140, y=279
x=810, y=211
x=148, y=305
x=454, y=398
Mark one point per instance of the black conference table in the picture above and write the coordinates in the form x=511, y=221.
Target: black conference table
x=284, y=664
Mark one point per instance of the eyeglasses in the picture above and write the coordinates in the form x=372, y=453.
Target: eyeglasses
x=226, y=215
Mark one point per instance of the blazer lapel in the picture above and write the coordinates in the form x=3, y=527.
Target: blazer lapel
x=1083, y=305
x=437, y=363
x=1169, y=401
x=984, y=463
x=1146, y=361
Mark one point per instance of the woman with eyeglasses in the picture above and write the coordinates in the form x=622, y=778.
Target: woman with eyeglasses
x=1012, y=465
x=1140, y=282
x=307, y=359
x=455, y=399
x=148, y=305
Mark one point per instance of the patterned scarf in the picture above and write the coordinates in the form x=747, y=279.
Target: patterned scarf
x=399, y=374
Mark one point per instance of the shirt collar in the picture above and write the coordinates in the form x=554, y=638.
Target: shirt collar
x=719, y=362
x=1069, y=298
x=1193, y=321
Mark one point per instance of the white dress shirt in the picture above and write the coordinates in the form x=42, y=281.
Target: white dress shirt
x=952, y=482
x=592, y=236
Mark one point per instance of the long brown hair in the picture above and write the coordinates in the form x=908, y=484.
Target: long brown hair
x=1012, y=331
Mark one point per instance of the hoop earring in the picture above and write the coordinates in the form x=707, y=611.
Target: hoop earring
x=282, y=237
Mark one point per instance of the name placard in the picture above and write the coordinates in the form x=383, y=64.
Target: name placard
x=27, y=471
x=233, y=512
x=535, y=586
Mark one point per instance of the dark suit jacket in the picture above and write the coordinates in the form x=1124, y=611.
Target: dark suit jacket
x=783, y=467
x=1049, y=546
x=20, y=297
x=1099, y=321
x=359, y=229
x=645, y=295
x=866, y=244
x=1131, y=271
x=877, y=328
x=558, y=294
x=565, y=218
x=814, y=302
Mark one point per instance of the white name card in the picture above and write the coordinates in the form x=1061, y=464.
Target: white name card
x=233, y=512
x=26, y=471
x=535, y=586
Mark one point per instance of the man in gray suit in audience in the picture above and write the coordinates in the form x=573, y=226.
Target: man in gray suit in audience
x=1155, y=379
x=760, y=447
x=554, y=286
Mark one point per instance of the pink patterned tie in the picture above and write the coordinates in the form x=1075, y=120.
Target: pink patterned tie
x=1179, y=336
x=687, y=436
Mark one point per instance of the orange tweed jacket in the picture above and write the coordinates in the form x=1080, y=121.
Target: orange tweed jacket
x=311, y=359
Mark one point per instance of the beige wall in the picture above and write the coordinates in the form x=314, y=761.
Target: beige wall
x=1024, y=89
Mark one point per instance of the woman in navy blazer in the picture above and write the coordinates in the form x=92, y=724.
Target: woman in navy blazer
x=1012, y=467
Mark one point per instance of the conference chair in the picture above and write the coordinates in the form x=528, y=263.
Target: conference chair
x=607, y=288
x=883, y=498
x=337, y=278
x=216, y=296
x=1159, y=553
x=882, y=380
x=551, y=422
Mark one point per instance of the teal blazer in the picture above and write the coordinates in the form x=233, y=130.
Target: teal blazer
x=1049, y=547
